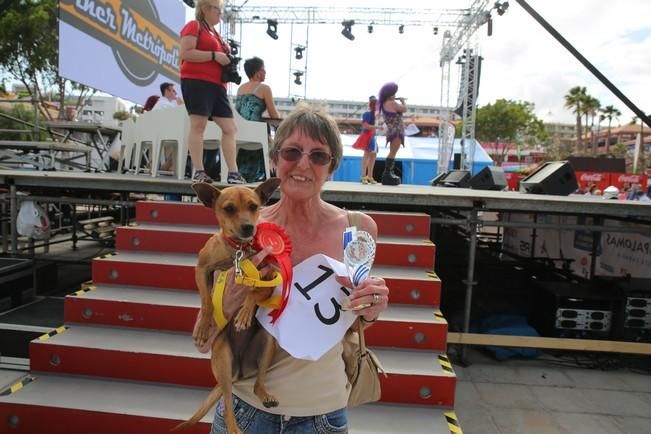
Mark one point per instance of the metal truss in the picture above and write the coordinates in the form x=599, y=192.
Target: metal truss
x=457, y=26
x=475, y=17
x=335, y=15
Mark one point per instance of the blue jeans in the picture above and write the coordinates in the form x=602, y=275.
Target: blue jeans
x=253, y=421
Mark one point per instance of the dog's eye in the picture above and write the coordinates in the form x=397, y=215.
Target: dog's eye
x=230, y=209
x=253, y=207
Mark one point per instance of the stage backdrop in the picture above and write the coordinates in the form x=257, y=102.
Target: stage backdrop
x=126, y=48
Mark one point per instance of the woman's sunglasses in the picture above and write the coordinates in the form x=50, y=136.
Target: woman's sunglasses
x=320, y=158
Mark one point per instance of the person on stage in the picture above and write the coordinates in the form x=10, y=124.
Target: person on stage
x=367, y=143
x=169, y=98
x=395, y=130
x=203, y=55
x=254, y=97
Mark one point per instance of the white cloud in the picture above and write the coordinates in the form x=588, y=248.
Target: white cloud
x=522, y=61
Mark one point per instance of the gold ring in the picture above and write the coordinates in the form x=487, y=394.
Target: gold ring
x=376, y=299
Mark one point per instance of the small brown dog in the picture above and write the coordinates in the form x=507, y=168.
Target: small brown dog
x=237, y=210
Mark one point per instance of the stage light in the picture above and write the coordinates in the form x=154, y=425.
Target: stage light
x=299, y=52
x=298, y=75
x=436, y=31
x=370, y=28
x=401, y=29
x=501, y=7
x=272, y=29
x=347, y=31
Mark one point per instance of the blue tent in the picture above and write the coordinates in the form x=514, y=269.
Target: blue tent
x=418, y=159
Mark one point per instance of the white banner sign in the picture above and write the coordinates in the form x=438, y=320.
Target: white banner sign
x=123, y=47
x=312, y=322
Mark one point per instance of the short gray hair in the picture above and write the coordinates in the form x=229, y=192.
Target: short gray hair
x=316, y=123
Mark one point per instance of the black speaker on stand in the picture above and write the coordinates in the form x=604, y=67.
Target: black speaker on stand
x=489, y=178
x=454, y=178
x=556, y=177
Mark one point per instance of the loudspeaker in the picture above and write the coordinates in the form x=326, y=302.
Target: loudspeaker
x=455, y=178
x=489, y=178
x=437, y=179
x=555, y=177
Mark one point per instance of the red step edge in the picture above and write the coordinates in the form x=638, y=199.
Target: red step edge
x=41, y=419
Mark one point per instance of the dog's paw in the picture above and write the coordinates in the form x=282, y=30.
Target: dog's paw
x=201, y=333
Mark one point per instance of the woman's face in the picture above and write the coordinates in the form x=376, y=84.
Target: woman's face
x=303, y=178
x=213, y=12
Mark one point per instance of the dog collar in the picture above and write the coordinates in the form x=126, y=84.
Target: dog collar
x=238, y=245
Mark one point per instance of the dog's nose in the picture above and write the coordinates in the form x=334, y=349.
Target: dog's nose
x=246, y=230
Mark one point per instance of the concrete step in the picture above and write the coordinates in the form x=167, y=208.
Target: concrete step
x=409, y=285
x=400, y=326
x=407, y=251
x=81, y=405
x=184, y=213
x=414, y=377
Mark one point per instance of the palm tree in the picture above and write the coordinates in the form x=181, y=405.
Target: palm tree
x=574, y=100
x=609, y=112
x=589, y=108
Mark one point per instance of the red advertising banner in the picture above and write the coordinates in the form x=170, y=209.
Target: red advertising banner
x=585, y=179
x=619, y=180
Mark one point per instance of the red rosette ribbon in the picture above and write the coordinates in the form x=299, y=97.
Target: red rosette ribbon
x=271, y=235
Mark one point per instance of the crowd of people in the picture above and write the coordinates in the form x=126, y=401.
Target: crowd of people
x=627, y=192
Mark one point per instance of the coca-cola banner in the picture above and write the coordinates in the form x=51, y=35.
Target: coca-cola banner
x=621, y=180
x=600, y=179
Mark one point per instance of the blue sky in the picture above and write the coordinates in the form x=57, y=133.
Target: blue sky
x=521, y=60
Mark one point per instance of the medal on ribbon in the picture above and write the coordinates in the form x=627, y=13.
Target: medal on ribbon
x=359, y=254
x=271, y=235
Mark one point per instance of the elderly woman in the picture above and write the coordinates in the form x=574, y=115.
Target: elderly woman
x=306, y=151
x=203, y=55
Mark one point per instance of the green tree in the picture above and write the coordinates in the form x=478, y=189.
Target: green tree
x=574, y=100
x=590, y=108
x=506, y=121
x=29, y=51
x=609, y=112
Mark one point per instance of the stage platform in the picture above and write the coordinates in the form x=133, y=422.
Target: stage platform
x=417, y=161
x=353, y=195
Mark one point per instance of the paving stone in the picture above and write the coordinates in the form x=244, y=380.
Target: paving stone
x=634, y=425
x=515, y=421
x=579, y=423
x=508, y=396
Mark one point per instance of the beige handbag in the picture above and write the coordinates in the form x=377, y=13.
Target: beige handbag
x=362, y=368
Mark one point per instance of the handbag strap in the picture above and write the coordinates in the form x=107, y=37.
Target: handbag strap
x=360, y=334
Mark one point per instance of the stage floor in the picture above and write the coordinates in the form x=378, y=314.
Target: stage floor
x=352, y=195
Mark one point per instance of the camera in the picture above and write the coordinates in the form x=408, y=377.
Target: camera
x=229, y=72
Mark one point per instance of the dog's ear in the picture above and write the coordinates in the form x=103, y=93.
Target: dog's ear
x=206, y=193
x=266, y=189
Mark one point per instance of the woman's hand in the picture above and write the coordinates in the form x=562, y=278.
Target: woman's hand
x=372, y=293
x=222, y=58
x=235, y=294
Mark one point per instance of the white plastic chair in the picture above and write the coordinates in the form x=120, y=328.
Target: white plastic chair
x=250, y=136
x=171, y=125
